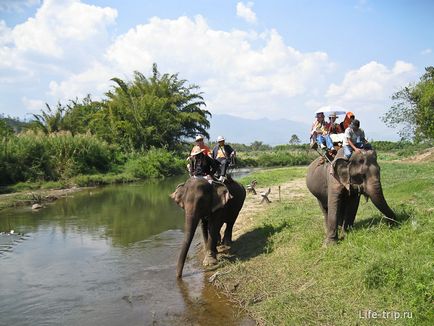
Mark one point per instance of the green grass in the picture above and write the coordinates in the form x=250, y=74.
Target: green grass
x=283, y=275
x=275, y=176
x=274, y=158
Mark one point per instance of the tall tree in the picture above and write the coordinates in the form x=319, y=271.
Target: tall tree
x=294, y=140
x=413, y=112
x=78, y=115
x=159, y=111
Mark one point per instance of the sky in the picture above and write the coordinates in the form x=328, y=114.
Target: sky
x=275, y=59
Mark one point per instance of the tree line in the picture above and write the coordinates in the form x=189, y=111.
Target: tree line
x=143, y=127
x=158, y=111
x=139, y=125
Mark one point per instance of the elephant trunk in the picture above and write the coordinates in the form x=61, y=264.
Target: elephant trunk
x=375, y=193
x=191, y=223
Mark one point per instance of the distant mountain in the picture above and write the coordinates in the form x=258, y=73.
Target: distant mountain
x=246, y=131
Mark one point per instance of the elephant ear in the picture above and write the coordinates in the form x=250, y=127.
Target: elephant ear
x=220, y=196
x=178, y=195
x=341, y=171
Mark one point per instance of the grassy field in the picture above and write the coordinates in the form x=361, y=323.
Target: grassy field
x=283, y=276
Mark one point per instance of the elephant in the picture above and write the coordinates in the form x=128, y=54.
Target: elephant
x=337, y=185
x=213, y=205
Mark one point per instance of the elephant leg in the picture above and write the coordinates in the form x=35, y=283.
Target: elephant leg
x=204, y=227
x=211, y=248
x=341, y=217
x=334, y=203
x=227, y=238
x=351, y=211
x=324, y=212
x=190, y=226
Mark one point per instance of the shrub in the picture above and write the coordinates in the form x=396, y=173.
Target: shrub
x=35, y=156
x=156, y=163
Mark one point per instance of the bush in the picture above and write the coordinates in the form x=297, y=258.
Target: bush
x=34, y=157
x=405, y=146
x=80, y=154
x=156, y=163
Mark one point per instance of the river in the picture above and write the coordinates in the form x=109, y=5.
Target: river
x=105, y=256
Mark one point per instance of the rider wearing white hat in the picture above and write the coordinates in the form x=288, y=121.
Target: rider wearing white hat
x=223, y=153
x=201, y=144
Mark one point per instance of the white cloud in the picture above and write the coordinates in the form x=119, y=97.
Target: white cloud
x=64, y=38
x=65, y=51
x=371, y=82
x=16, y=5
x=426, y=52
x=59, y=24
x=33, y=104
x=5, y=34
x=231, y=71
x=95, y=81
x=367, y=92
x=245, y=11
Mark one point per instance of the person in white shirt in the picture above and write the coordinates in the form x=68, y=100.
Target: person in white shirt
x=354, y=139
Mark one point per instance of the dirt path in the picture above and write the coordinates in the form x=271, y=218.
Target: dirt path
x=252, y=205
x=425, y=156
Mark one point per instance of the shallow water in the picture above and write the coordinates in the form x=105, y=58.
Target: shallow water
x=105, y=256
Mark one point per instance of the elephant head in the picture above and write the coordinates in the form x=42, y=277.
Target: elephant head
x=200, y=200
x=361, y=174
x=220, y=196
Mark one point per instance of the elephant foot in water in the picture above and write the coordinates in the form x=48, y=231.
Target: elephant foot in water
x=210, y=259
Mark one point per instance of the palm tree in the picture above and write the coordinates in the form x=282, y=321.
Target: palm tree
x=159, y=111
x=51, y=120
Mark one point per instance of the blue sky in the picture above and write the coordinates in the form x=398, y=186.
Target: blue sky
x=252, y=59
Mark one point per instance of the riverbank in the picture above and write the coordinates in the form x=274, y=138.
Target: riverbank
x=29, y=193
x=38, y=196
x=279, y=273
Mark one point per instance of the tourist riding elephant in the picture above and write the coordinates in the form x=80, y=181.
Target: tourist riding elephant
x=214, y=205
x=338, y=186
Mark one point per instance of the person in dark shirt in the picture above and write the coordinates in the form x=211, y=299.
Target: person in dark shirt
x=201, y=165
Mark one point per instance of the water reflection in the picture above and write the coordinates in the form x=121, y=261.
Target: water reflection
x=124, y=214
x=104, y=256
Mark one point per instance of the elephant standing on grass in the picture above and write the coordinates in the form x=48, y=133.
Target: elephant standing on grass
x=213, y=205
x=338, y=186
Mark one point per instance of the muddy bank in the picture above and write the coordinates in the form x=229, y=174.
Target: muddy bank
x=30, y=198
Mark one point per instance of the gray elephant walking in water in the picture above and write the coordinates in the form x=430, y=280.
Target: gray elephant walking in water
x=213, y=205
x=338, y=186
